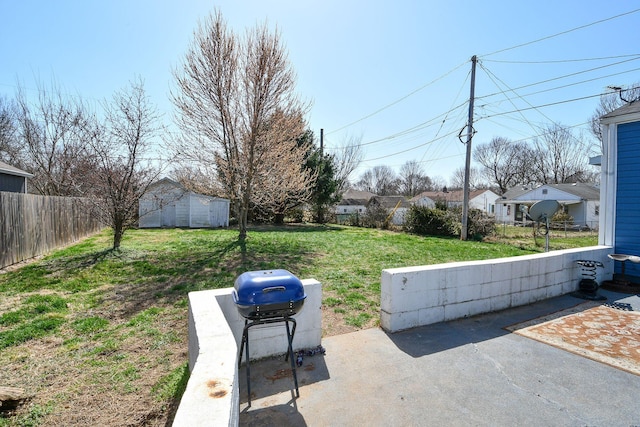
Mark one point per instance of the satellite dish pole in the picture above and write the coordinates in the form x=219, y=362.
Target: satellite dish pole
x=467, y=166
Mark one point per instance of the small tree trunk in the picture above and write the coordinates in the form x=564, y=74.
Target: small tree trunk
x=320, y=215
x=242, y=224
x=118, y=231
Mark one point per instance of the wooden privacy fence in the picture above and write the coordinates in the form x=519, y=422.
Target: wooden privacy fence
x=32, y=225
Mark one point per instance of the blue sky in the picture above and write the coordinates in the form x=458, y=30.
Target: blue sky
x=354, y=59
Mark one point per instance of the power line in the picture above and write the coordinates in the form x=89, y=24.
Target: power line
x=412, y=148
x=430, y=122
x=573, y=84
x=544, y=105
x=420, y=126
x=562, y=61
x=397, y=101
x=462, y=86
x=563, y=76
x=493, y=78
x=561, y=33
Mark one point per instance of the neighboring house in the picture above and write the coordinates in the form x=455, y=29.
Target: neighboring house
x=482, y=200
x=580, y=201
x=168, y=204
x=619, y=182
x=396, y=206
x=353, y=202
x=13, y=179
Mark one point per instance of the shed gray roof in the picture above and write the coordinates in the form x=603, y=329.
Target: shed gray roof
x=10, y=170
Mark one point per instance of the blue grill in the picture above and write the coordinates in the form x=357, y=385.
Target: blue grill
x=267, y=294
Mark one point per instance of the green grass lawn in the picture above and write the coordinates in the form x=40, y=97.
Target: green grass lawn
x=87, y=324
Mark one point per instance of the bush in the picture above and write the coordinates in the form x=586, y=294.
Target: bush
x=480, y=225
x=354, y=220
x=375, y=217
x=429, y=221
x=438, y=222
x=562, y=217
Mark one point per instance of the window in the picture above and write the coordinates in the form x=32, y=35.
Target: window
x=345, y=209
x=597, y=209
x=545, y=191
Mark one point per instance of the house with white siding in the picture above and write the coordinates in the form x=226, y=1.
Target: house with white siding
x=168, y=204
x=580, y=201
x=482, y=199
x=353, y=202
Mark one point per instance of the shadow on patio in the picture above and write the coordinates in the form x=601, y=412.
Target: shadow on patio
x=465, y=372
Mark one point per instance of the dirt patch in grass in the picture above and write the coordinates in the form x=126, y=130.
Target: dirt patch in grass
x=105, y=378
x=333, y=323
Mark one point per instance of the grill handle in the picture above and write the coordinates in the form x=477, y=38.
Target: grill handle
x=274, y=288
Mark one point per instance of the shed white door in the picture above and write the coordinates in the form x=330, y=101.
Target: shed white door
x=169, y=215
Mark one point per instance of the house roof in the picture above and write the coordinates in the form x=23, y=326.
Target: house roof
x=580, y=190
x=449, y=196
x=630, y=108
x=10, y=170
x=390, y=202
x=355, y=198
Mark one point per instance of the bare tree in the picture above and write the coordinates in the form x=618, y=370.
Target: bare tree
x=199, y=180
x=560, y=156
x=347, y=159
x=229, y=89
x=281, y=181
x=9, y=143
x=52, y=131
x=504, y=163
x=413, y=179
x=438, y=183
x=380, y=180
x=457, y=178
x=122, y=174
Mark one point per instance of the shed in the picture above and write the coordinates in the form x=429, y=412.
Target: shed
x=12, y=179
x=619, y=182
x=168, y=204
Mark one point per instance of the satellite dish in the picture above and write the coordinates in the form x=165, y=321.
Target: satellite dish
x=543, y=210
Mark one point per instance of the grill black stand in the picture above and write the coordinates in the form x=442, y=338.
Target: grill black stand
x=245, y=343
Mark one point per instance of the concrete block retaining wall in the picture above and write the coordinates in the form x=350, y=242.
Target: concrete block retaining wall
x=417, y=296
x=215, y=332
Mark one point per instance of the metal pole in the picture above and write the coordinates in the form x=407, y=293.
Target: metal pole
x=467, y=166
x=321, y=142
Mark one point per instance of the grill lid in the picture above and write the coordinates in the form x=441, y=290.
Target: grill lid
x=268, y=291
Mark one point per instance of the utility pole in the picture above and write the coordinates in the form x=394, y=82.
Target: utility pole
x=321, y=142
x=467, y=165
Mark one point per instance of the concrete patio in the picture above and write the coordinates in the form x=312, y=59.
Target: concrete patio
x=462, y=372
